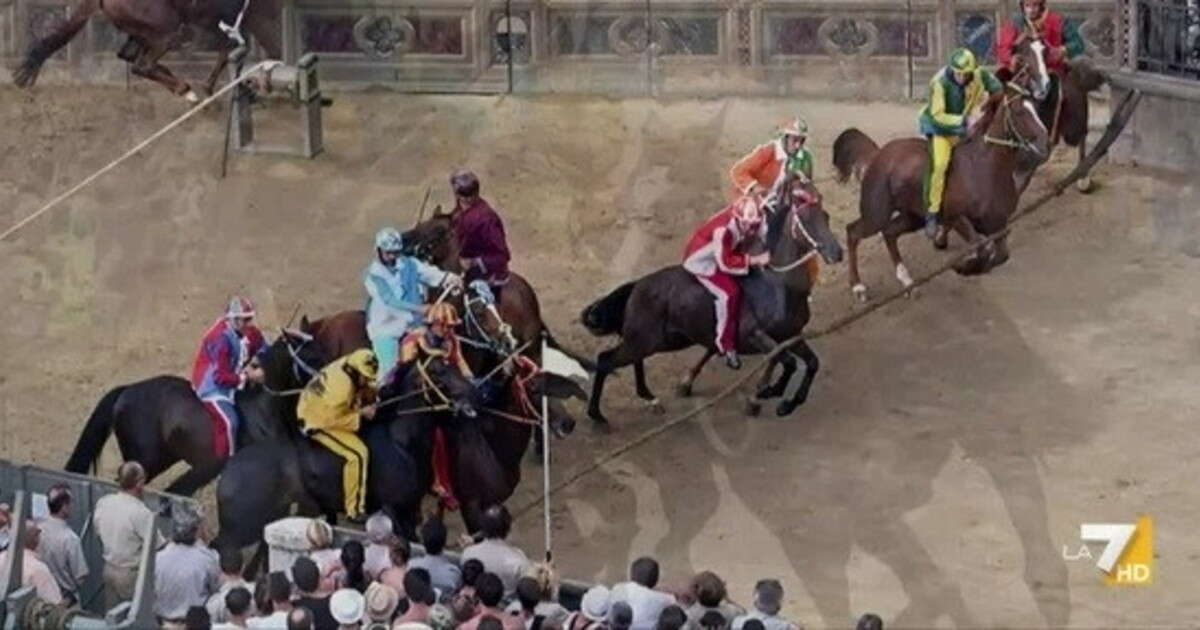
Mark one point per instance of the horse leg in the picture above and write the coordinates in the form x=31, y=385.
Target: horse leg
x=643, y=391
x=902, y=223
x=976, y=262
x=606, y=362
x=788, y=361
x=1084, y=185
x=684, y=389
x=210, y=84
x=147, y=66
x=854, y=234
x=201, y=472
x=811, y=365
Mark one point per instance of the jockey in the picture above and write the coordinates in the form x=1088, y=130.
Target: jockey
x=330, y=410
x=482, y=245
x=716, y=253
x=438, y=339
x=762, y=169
x=1062, y=39
x=396, y=296
x=223, y=366
x=955, y=92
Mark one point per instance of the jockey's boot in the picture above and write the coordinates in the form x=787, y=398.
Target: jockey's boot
x=732, y=360
x=940, y=239
x=931, y=225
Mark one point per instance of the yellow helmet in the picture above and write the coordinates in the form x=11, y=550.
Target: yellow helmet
x=364, y=362
x=963, y=60
x=443, y=313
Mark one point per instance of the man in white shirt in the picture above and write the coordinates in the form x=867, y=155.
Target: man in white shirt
x=497, y=554
x=186, y=571
x=444, y=573
x=379, y=544
x=237, y=606
x=639, y=593
x=120, y=520
x=34, y=572
x=768, y=600
x=230, y=561
x=280, y=590
x=60, y=548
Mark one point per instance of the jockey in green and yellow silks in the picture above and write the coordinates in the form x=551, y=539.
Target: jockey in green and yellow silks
x=955, y=92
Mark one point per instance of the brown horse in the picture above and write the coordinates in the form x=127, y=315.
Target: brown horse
x=670, y=310
x=981, y=192
x=156, y=27
x=1061, y=101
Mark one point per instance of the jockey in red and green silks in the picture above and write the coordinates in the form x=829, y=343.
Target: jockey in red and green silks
x=955, y=92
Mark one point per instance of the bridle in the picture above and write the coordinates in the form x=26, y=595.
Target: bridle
x=475, y=329
x=798, y=232
x=1021, y=143
x=298, y=362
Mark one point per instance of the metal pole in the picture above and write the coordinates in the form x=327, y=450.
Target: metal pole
x=546, y=455
x=649, y=50
x=509, y=41
x=908, y=44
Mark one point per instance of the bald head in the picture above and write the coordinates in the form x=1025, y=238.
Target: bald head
x=131, y=477
x=33, y=535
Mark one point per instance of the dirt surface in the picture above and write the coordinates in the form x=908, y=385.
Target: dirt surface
x=952, y=444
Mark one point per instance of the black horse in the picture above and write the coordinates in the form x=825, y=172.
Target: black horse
x=160, y=421
x=262, y=481
x=669, y=310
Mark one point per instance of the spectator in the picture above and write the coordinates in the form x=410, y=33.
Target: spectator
x=443, y=572
x=279, y=593
x=709, y=593
x=196, y=618
x=352, y=574
x=34, y=572
x=593, y=610
x=382, y=601
x=60, y=548
x=495, y=552
x=393, y=576
x=120, y=520
x=420, y=596
x=713, y=620
x=262, y=597
x=489, y=622
x=379, y=544
x=768, y=601
x=308, y=581
x=869, y=621
x=328, y=558
x=535, y=604
x=441, y=618
x=490, y=590
x=620, y=616
x=186, y=572
x=465, y=603
x=672, y=618
x=229, y=559
x=753, y=624
x=639, y=593
x=347, y=607
x=300, y=619
x=237, y=608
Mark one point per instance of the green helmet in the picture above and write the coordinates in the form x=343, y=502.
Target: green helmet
x=963, y=60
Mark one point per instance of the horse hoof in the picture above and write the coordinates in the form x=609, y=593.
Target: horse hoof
x=860, y=291
x=191, y=97
x=753, y=408
x=655, y=406
x=785, y=408
x=600, y=424
x=1084, y=185
x=683, y=390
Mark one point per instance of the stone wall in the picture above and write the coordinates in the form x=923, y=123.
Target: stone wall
x=841, y=48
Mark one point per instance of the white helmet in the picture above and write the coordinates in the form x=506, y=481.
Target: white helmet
x=239, y=308
x=389, y=240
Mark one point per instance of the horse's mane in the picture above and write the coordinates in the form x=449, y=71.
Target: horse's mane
x=777, y=219
x=990, y=109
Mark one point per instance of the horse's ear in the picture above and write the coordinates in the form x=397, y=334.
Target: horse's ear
x=437, y=211
x=1004, y=74
x=305, y=325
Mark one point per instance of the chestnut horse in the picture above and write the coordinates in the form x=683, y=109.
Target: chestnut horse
x=155, y=27
x=981, y=193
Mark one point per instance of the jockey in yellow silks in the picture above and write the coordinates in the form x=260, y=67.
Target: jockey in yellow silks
x=330, y=410
x=955, y=92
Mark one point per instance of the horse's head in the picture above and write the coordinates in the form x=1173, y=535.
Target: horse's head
x=432, y=240
x=442, y=383
x=1011, y=119
x=800, y=217
x=483, y=322
x=1029, y=69
x=558, y=389
x=291, y=360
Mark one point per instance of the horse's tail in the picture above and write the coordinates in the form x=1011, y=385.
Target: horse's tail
x=606, y=316
x=95, y=433
x=26, y=75
x=852, y=151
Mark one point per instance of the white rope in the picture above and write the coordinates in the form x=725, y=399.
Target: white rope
x=267, y=65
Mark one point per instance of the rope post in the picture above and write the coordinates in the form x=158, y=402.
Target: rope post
x=546, y=451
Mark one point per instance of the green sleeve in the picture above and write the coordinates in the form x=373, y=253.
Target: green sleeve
x=990, y=82
x=806, y=165
x=1072, y=39
x=937, y=107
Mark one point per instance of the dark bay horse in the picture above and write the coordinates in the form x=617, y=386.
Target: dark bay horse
x=1061, y=101
x=981, y=192
x=670, y=310
x=160, y=421
x=262, y=482
x=156, y=27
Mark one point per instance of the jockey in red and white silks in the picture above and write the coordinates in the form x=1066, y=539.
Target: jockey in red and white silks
x=716, y=253
x=222, y=366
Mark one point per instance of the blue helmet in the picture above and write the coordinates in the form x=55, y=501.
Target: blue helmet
x=389, y=240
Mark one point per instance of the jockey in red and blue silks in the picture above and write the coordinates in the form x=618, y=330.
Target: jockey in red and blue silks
x=223, y=366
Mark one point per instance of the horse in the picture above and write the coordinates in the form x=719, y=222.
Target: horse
x=262, y=482
x=160, y=421
x=1064, y=111
x=669, y=310
x=981, y=192
x=155, y=27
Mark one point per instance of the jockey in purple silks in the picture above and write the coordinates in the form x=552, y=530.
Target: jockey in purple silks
x=483, y=247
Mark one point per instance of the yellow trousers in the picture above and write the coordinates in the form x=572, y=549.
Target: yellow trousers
x=353, y=452
x=940, y=149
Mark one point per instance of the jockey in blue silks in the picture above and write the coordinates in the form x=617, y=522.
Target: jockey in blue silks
x=396, y=296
